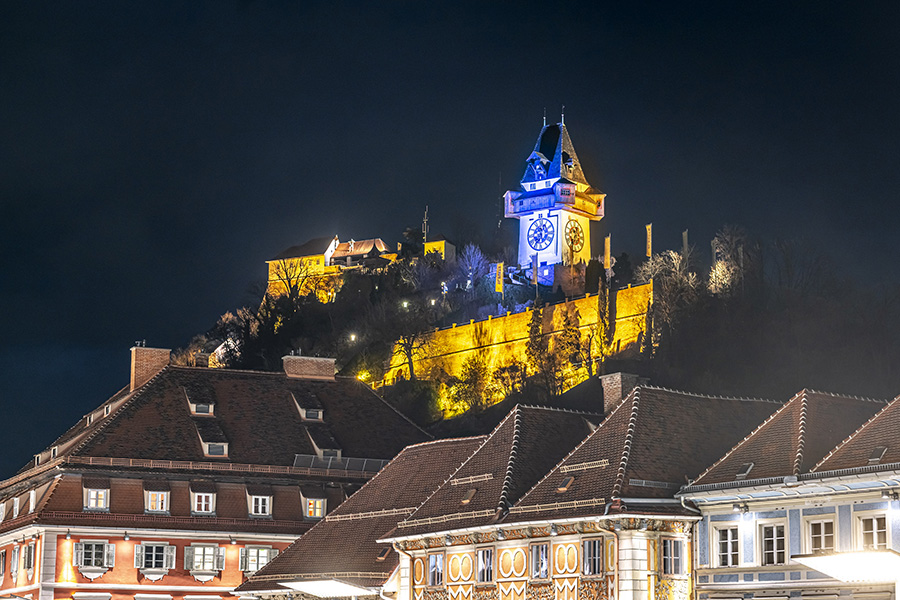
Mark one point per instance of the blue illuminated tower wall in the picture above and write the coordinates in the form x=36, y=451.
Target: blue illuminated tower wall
x=555, y=203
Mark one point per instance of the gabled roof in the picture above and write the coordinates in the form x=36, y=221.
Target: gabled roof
x=343, y=545
x=359, y=248
x=646, y=448
x=313, y=247
x=794, y=438
x=863, y=448
x=554, y=153
x=512, y=458
x=255, y=412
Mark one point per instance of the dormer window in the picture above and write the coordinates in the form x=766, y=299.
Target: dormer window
x=260, y=506
x=107, y=409
x=313, y=414
x=203, y=498
x=215, y=449
x=95, y=494
x=313, y=497
x=54, y=452
x=156, y=497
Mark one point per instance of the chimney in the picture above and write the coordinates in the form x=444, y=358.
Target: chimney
x=309, y=367
x=616, y=386
x=145, y=363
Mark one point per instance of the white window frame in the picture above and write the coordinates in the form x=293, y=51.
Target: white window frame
x=202, y=571
x=15, y=510
x=591, y=558
x=251, y=557
x=760, y=531
x=28, y=558
x=734, y=528
x=32, y=500
x=207, y=498
x=153, y=572
x=810, y=522
x=671, y=556
x=98, y=548
x=2, y=564
x=14, y=563
x=539, y=561
x=208, y=449
x=260, y=506
x=859, y=522
x=157, y=502
x=2, y=511
x=435, y=564
x=96, y=499
x=484, y=565
x=314, y=508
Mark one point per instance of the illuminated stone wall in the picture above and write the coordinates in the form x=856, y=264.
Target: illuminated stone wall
x=501, y=340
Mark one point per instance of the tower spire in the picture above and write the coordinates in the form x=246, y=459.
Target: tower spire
x=562, y=118
x=545, y=116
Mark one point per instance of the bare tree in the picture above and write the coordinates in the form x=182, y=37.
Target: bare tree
x=472, y=265
x=676, y=288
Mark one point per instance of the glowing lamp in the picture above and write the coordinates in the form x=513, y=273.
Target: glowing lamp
x=869, y=566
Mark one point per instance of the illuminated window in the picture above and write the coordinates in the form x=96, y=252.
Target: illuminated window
x=202, y=557
x=672, y=552
x=592, y=551
x=96, y=499
x=540, y=561
x=315, y=508
x=435, y=569
x=821, y=536
x=727, y=542
x=254, y=558
x=203, y=502
x=94, y=554
x=157, y=501
x=874, y=532
x=260, y=505
x=154, y=556
x=484, y=562
x=772, y=537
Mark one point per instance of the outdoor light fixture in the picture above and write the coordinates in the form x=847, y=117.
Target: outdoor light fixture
x=553, y=530
x=68, y=534
x=233, y=541
x=501, y=535
x=405, y=304
x=890, y=494
x=740, y=507
x=352, y=337
x=447, y=540
x=126, y=537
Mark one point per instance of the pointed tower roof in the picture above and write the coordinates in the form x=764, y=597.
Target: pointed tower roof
x=554, y=156
x=793, y=439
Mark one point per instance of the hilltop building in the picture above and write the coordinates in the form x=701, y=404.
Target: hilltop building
x=555, y=205
x=189, y=479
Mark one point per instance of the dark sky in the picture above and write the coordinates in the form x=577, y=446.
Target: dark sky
x=154, y=154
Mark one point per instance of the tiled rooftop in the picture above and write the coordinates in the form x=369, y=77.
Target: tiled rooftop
x=859, y=449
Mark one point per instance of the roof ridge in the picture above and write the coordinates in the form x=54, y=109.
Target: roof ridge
x=487, y=439
x=441, y=440
x=629, y=437
x=503, y=501
x=746, y=437
x=112, y=417
x=801, y=435
x=889, y=404
x=577, y=447
x=560, y=409
x=711, y=396
x=844, y=396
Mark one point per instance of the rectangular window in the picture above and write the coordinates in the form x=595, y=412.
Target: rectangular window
x=204, y=558
x=484, y=561
x=672, y=557
x=821, y=536
x=28, y=557
x=727, y=541
x=216, y=449
x=154, y=556
x=254, y=558
x=2, y=511
x=94, y=554
x=14, y=563
x=874, y=533
x=435, y=569
x=203, y=503
x=772, y=537
x=540, y=562
x=97, y=500
x=2, y=563
x=157, y=501
x=315, y=508
x=260, y=505
x=592, y=551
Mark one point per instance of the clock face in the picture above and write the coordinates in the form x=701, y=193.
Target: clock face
x=540, y=234
x=574, y=236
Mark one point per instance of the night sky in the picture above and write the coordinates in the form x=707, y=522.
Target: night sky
x=154, y=155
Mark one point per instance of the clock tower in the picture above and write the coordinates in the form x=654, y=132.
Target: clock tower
x=555, y=204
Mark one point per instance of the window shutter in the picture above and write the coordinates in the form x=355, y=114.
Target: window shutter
x=170, y=557
x=243, y=566
x=110, y=555
x=79, y=555
x=220, y=559
x=188, y=558
x=138, y=556
x=273, y=552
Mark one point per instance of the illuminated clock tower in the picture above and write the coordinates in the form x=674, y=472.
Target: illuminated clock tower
x=555, y=204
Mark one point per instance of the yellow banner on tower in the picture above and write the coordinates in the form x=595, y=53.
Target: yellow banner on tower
x=498, y=286
x=606, y=254
x=649, y=239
